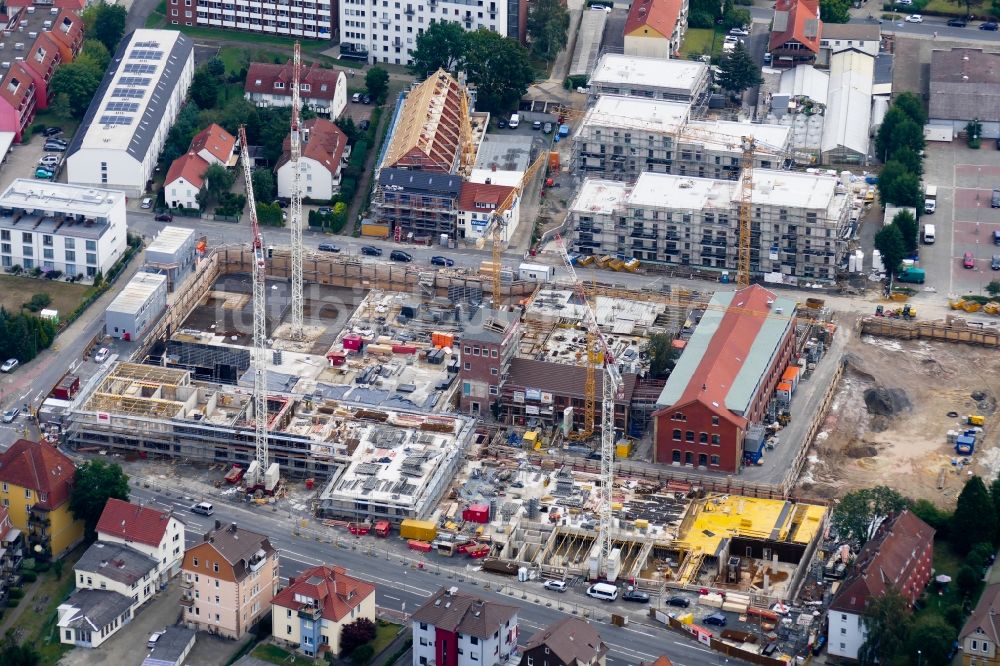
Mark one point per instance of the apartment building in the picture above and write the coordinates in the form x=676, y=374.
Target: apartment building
x=623, y=137
x=68, y=228
x=324, y=156
x=672, y=80
x=571, y=641
x=797, y=227
x=461, y=629
x=320, y=89
x=156, y=534
x=388, y=30
x=980, y=636
x=312, y=19
x=116, y=567
x=656, y=28
x=229, y=581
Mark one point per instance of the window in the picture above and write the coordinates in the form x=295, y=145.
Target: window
x=843, y=631
x=493, y=353
x=703, y=437
x=715, y=439
x=468, y=366
x=194, y=561
x=689, y=435
x=677, y=435
x=5, y=486
x=475, y=640
x=27, y=493
x=494, y=371
x=714, y=460
x=715, y=420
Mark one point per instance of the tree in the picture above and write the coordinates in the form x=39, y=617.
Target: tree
x=216, y=67
x=363, y=654
x=264, y=188
x=218, y=180
x=79, y=81
x=967, y=580
x=931, y=637
x=13, y=653
x=736, y=18
x=704, y=13
x=937, y=518
x=887, y=623
x=355, y=634
x=97, y=52
x=889, y=242
x=204, y=89
x=548, y=25
x=108, y=26
x=499, y=67
x=441, y=46
x=348, y=127
x=857, y=513
x=974, y=520
x=909, y=158
x=94, y=484
x=835, y=11
x=912, y=107
x=739, y=71
x=663, y=355
x=377, y=83
x=898, y=186
x=338, y=218
x=902, y=126
x=60, y=106
x=993, y=289
x=38, y=302
x=907, y=228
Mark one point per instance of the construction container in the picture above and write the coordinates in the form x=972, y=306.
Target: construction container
x=623, y=449
x=585, y=260
x=422, y=546
x=616, y=264
x=976, y=420
x=359, y=529
x=478, y=552
x=641, y=524
x=352, y=343
x=602, y=262
x=791, y=376
x=336, y=358
x=553, y=160
x=404, y=349
x=632, y=265
x=440, y=340
x=234, y=475
x=382, y=528
x=372, y=230
x=530, y=439
x=784, y=391
x=424, y=530
x=66, y=388
x=477, y=513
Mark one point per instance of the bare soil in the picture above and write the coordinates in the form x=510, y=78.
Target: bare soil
x=889, y=420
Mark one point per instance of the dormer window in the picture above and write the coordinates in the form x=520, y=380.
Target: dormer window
x=257, y=82
x=13, y=85
x=278, y=85
x=306, y=87
x=322, y=87
x=40, y=54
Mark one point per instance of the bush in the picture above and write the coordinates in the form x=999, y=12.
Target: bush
x=38, y=302
x=12, y=602
x=363, y=654
x=29, y=576
x=16, y=593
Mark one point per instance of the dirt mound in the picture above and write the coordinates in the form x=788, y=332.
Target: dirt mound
x=985, y=402
x=861, y=450
x=881, y=401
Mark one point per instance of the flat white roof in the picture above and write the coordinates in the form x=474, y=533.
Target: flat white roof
x=618, y=69
x=770, y=188
x=599, y=197
x=498, y=177
x=663, y=190
x=774, y=136
x=134, y=84
x=27, y=193
x=137, y=292
x=651, y=115
x=849, y=103
x=170, y=239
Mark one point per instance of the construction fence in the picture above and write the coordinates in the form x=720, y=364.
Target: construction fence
x=946, y=331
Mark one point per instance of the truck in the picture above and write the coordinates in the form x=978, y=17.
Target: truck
x=891, y=212
x=536, y=272
x=930, y=199
x=911, y=275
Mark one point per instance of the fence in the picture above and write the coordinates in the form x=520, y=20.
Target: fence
x=930, y=330
x=707, y=639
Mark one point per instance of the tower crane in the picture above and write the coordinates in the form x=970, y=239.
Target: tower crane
x=498, y=223
x=257, y=356
x=295, y=142
x=749, y=148
x=611, y=394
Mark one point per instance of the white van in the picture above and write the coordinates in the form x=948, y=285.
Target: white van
x=514, y=121
x=603, y=591
x=203, y=508
x=929, y=234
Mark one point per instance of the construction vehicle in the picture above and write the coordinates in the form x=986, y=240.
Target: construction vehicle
x=383, y=528
x=975, y=420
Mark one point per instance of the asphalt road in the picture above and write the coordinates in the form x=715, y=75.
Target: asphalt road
x=404, y=588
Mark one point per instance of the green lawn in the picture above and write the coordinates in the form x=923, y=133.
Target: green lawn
x=273, y=654
x=384, y=634
x=38, y=627
x=698, y=41
x=65, y=296
x=946, y=561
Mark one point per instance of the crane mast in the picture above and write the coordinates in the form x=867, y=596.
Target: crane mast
x=295, y=214
x=258, y=359
x=748, y=146
x=611, y=393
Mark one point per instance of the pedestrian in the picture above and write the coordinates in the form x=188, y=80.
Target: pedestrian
x=935, y=34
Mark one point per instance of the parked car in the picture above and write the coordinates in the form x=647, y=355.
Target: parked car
x=366, y=99
x=356, y=98
x=50, y=160
x=153, y=639
x=555, y=585
x=324, y=210
x=547, y=128
x=635, y=595
x=740, y=32
x=438, y=260
x=11, y=414
x=364, y=125
x=988, y=25
x=52, y=131
x=44, y=174
x=502, y=123
x=9, y=365
x=717, y=619
x=102, y=355
x=203, y=508
x=968, y=261
x=767, y=58
x=371, y=251
x=995, y=199
x=906, y=3
x=328, y=247
x=995, y=262
x=679, y=602
x=399, y=255
x=164, y=217
x=958, y=23
x=282, y=203
x=147, y=203
x=536, y=125
x=914, y=18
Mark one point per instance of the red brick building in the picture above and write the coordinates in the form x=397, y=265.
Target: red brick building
x=486, y=352
x=724, y=380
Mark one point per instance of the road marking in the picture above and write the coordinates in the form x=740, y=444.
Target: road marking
x=394, y=583
x=691, y=646
x=305, y=558
x=629, y=652
x=644, y=633
x=393, y=598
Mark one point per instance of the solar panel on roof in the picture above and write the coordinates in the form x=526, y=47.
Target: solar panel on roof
x=139, y=68
x=129, y=93
x=134, y=81
x=147, y=45
x=145, y=54
x=122, y=107
x=116, y=120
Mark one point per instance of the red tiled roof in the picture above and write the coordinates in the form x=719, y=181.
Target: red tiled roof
x=884, y=561
x=802, y=25
x=659, y=16
x=313, y=76
x=68, y=29
x=561, y=379
x=330, y=586
x=189, y=166
x=489, y=195
x=133, y=522
x=216, y=141
x=41, y=468
x=50, y=51
x=20, y=74
x=326, y=144
x=986, y=617
x=428, y=134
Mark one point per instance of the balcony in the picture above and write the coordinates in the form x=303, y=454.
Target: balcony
x=311, y=612
x=187, y=601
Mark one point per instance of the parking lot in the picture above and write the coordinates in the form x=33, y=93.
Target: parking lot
x=22, y=160
x=964, y=220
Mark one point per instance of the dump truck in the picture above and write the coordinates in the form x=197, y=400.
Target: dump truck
x=382, y=528
x=234, y=475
